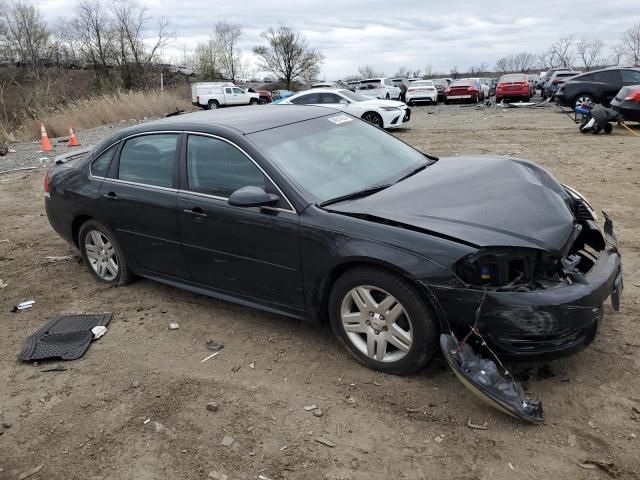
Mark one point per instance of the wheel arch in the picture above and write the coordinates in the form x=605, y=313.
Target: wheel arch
x=329, y=279
x=77, y=223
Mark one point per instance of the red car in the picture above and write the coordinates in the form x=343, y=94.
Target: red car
x=513, y=86
x=265, y=95
x=466, y=91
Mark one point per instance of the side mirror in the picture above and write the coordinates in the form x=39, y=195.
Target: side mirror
x=252, y=197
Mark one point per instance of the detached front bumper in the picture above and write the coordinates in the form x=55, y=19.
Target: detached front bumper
x=539, y=324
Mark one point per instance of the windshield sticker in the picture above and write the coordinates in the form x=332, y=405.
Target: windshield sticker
x=338, y=119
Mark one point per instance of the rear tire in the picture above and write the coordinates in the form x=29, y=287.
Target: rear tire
x=102, y=254
x=366, y=300
x=582, y=98
x=213, y=105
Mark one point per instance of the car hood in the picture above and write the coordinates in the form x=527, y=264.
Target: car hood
x=483, y=201
x=383, y=103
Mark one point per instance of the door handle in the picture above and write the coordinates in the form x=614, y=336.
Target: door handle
x=109, y=196
x=197, y=211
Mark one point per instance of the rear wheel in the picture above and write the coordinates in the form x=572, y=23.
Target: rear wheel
x=102, y=255
x=213, y=104
x=582, y=98
x=373, y=118
x=382, y=320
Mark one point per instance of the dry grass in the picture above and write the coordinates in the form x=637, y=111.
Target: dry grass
x=105, y=109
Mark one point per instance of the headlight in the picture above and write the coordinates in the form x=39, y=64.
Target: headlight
x=390, y=109
x=583, y=209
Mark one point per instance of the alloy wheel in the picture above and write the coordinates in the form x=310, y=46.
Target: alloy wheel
x=376, y=323
x=373, y=118
x=101, y=254
x=583, y=99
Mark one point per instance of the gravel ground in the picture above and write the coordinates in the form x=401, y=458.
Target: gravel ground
x=135, y=405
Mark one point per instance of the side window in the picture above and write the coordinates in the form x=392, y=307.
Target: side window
x=100, y=165
x=631, y=76
x=228, y=90
x=238, y=90
x=306, y=99
x=329, y=98
x=149, y=159
x=608, y=76
x=218, y=168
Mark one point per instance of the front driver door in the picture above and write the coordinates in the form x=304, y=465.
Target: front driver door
x=252, y=252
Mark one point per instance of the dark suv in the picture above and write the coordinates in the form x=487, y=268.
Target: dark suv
x=599, y=86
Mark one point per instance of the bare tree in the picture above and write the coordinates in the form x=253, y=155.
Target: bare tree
x=25, y=32
x=617, y=54
x=631, y=44
x=208, y=60
x=133, y=55
x=94, y=28
x=562, y=53
x=227, y=36
x=402, y=72
x=454, y=72
x=589, y=52
x=287, y=55
x=476, y=70
x=516, y=62
x=367, y=71
x=428, y=70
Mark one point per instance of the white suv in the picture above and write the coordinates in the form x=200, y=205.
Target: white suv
x=379, y=88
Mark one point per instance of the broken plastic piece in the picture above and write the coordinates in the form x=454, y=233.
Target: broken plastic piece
x=98, y=331
x=482, y=378
x=214, y=346
x=23, y=305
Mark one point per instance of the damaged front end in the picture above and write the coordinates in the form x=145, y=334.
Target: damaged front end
x=539, y=304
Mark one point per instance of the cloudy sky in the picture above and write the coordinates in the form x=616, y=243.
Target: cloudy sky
x=389, y=34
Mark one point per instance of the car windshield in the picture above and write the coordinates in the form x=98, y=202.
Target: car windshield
x=368, y=84
x=332, y=156
x=354, y=96
x=423, y=83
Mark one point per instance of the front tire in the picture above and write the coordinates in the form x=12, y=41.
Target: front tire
x=102, y=254
x=374, y=119
x=383, y=321
x=254, y=102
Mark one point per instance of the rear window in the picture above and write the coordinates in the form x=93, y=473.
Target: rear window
x=423, y=83
x=631, y=76
x=369, y=84
x=461, y=83
x=149, y=159
x=100, y=165
x=514, y=78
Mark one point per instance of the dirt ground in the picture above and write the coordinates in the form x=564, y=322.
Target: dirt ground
x=90, y=421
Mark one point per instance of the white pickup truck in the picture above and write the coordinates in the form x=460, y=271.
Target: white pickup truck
x=212, y=95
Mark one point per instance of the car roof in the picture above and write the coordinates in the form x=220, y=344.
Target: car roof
x=321, y=90
x=242, y=119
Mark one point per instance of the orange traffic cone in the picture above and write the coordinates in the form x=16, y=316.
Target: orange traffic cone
x=45, y=144
x=73, y=141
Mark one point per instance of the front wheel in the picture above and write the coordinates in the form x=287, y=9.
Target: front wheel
x=383, y=321
x=374, y=119
x=253, y=101
x=102, y=255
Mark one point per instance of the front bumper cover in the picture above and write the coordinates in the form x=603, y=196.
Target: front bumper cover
x=539, y=324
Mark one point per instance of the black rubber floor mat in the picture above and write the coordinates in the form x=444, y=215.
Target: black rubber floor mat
x=64, y=336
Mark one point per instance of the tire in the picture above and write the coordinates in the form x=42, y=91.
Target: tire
x=91, y=234
x=254, y=101
x=416, y=333
x=373, y=118
x=498, y=99
x=447, y=102
x=213, y=105
x=582, y=98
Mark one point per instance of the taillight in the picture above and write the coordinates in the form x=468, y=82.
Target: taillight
x=47, y=186
x=634, y=96
x=472, y=89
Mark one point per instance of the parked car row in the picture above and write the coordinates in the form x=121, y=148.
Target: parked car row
x=598, y=86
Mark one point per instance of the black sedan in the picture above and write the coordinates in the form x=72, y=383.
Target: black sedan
x=599, y=86
x=311, y=213
x=627, y=103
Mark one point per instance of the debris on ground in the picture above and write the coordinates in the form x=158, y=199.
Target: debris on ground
x=227, y=441
x=477, y=426
x=98, y=331
x=135, y=384
x=209, y=357
x=146, y=421
x=2, y=284
x=214, y=346
x=439, y=439
x=318, y=412
x=58, y=367
x=608, y=467
x=23, y=305
x=308, y=408
x=4, y=149
x=325, y=441
x=217, y=476
x=33, y=471
x=212, y=406
x=252, y=365
x=635, y=414
x=174, y=326
x=7, y=424
x=571, y=440
x=63, y=336
x=58, y=259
